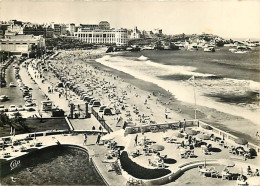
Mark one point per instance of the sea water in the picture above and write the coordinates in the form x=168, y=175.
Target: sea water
x=223, y=80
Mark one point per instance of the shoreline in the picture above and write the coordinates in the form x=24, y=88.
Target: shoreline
x=223, y=121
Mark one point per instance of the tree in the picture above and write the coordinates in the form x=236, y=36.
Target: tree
x=19, y=121
x=4, y=119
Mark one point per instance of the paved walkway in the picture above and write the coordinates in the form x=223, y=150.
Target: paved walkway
x=61, y=102
x=85, y=124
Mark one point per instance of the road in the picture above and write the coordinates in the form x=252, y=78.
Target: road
x=14, y=93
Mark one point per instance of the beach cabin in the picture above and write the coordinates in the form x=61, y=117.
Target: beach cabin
x=46, y=105
x=96, y=104
x=107, y=111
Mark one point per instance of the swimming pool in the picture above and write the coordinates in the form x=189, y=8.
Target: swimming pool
x=56, y=165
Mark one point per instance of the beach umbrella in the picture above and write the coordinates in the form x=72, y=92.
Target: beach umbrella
x=204, y=136
x=207, y=127
x=191, y=132
x=227, y=162
x=254, y=181
x=157, y=147
x=178, y=135
x=241, y=141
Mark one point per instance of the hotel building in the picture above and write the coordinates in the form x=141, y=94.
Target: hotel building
x=101, y=34
x=112, y=36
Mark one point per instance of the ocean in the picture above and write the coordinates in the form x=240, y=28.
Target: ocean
x=224, y=81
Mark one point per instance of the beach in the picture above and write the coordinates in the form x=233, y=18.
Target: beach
x=158, y=99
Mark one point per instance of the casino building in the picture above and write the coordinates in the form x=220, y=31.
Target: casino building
x=101, y=34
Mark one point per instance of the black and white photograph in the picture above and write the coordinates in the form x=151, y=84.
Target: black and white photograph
x=130, y=92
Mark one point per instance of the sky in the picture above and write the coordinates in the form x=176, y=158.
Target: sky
x=226, y=18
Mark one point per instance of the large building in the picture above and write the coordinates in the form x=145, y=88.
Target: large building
x=21, y=44
x=57, y=29
x=111, y=36
x=36, y=30
x=71, y=28
x=135, y=34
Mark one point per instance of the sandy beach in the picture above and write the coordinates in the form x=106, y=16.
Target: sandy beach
x=131, y=94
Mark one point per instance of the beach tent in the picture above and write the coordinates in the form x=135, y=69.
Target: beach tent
x=204, y=136
x=241, y=141
x=107, y=111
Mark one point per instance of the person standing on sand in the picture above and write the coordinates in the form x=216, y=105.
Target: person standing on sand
x=180, y=125
x=184, y=125
x=136, y=139
x=98, y=138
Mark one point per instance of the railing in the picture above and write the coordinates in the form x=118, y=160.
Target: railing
x=101, y=121
x=230, y=136
x=160, y=127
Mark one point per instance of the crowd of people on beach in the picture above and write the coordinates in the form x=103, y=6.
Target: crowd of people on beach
x=103, y=86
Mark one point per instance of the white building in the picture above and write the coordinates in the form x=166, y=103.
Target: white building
x=135, y=34
x=17, y=29
x=21, y=44
x=71, y=28
x=112, y=36
x=158, y=31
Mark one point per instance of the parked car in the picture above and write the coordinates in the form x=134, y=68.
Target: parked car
x=30, y=109
x=12, y=108
x=30, y=105
x=12, y=84
x=20, y=108
x=3, y=98
x=27, y=98
x=3, y=109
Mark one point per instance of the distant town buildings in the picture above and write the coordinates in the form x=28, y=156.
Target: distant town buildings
x=46, y=32
x=100, y=33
